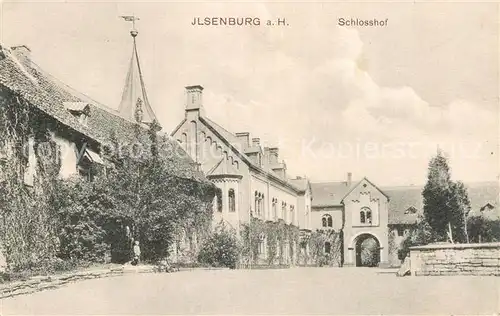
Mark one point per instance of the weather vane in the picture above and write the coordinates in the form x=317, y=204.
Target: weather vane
x=131, y=18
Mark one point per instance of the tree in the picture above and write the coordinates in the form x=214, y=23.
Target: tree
x=445, y=203
x=460, y=204
x=220, y=249
x=423, y=234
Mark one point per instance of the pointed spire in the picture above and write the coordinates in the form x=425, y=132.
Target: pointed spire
x=135, y=104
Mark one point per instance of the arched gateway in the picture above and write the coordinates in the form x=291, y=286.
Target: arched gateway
x=367, y=250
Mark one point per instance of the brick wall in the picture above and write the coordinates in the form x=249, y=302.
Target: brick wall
x=455, y=259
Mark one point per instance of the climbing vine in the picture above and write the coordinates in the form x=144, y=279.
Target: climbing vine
x=28, y=227
x=313, y=248
x=274, y=235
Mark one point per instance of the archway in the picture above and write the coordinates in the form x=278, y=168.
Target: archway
x=367, y=249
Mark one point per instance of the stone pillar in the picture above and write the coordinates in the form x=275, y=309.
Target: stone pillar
x=350, y=258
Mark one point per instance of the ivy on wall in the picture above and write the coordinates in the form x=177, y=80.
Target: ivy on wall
x=313, y=252
x=75, y=219
x=275, y=235
x=28, y=227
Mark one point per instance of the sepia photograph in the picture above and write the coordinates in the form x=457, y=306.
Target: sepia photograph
x=249, y=158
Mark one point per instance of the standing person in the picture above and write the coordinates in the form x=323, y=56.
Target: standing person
x=137, y=253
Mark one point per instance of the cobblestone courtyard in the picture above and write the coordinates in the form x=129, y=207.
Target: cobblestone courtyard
x=292, y=291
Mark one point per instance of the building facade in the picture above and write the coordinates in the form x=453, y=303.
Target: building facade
x=252, y=179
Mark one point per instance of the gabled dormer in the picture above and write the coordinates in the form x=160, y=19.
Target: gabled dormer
x=80, y=110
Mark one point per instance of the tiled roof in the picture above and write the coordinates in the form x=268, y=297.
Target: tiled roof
x=402, y=198
x=49, y=95
x=328, y=193
x=235, y=142
x=301, y=183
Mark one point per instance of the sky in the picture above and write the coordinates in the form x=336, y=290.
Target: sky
x=374, y=101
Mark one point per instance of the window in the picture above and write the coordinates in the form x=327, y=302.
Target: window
x=327, y=220
x=275, y=208
x=262, y=245
x=232, y=201
x=256, y=207
x=292, y=214
x=328, y=247
x=85, y=169
x=283, y=211
x=219, y=203
x=400, y=232
x=365, y=216
x=262, y=205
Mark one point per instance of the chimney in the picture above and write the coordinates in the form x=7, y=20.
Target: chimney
x=266, y=155
x=273, y=155
x=194, y=98
x=244, y=138
x=255, y=141
x=280, y=170
x=23, y=54
x=349, y=179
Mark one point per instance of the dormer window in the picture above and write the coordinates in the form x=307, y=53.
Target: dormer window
x=79, y=110
x=89, y=162
x=411, y=210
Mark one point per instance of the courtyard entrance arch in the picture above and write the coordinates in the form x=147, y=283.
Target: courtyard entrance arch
x=367, y=249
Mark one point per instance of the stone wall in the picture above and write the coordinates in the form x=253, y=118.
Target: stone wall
x=455, y=259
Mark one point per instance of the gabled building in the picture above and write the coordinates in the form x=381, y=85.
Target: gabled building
x=80, y=126
x=253, y=179
x=384, y=215
x=359, y=210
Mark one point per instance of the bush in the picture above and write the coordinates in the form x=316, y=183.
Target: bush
x=482, y=229
x=220, y=249
x=421, y=235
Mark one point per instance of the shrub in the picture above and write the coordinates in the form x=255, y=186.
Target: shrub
x=220, y=249
x=482, y=229
x=421, y=235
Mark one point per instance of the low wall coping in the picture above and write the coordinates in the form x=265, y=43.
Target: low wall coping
x=456, y=246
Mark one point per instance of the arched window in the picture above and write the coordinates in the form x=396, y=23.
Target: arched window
x=365, y=216
x=328, y=247
x=262, y=245
x=256, y=207
x=232, y=201
x=327, y=220
x=262, y=205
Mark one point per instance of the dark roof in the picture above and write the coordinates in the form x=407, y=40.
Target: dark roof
x=300, y=183
x=47, y=94
x=402, y=198
x=232, y=140
x=328, y=193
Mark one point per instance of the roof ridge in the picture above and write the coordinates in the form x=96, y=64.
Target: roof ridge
x=82, y=95
x=72, y=90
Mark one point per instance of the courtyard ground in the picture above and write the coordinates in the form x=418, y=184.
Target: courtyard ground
x=289, y=291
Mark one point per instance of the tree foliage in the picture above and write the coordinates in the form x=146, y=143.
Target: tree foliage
x=446, y=203
x=482, y=229
x=221, y=248
x=423, y=234
x=78, y=220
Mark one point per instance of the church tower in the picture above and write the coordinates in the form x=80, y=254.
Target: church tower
x=134, y=104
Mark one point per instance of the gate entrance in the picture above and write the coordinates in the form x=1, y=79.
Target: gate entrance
x=367, y=251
